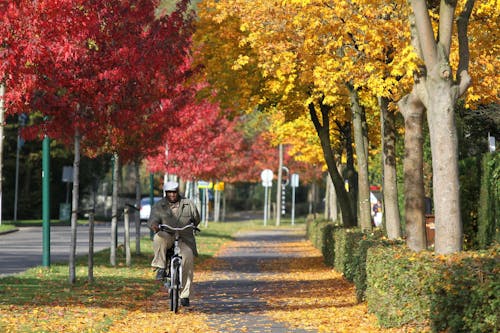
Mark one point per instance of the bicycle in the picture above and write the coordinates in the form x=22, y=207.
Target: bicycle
x=174, y=282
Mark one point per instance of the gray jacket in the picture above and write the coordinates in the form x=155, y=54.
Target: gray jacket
x=187, y=213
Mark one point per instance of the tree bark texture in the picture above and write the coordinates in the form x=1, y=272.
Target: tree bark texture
x=413, y=111
x=331, y=211
x=114, y=210
x=137, y=217
x=360, y=139
x=74, y=208
x=439, y=98
x=390, y=188
x=323, y=130
x=444, y=147
x=2, y=115
x=279, y=184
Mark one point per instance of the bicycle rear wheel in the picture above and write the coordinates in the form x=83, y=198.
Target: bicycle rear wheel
x=174, y=290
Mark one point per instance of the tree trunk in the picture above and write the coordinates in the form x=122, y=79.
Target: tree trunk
x=137, y=218
x=348, y=171
x=413, y=111
x=114, y=211
x=323, y=130
x=390, y=188
x=360, y=139
x=2, y=113
x=279, y=185
x=444, y=147
x=439, y=98
x=331, y=211
x=74, y=208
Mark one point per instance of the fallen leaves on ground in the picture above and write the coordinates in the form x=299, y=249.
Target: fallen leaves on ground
x=308, y=294
x=295, y=288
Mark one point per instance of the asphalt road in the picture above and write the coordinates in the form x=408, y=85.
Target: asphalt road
x=23, y=249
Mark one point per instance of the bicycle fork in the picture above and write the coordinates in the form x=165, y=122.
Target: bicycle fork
x=175, y=262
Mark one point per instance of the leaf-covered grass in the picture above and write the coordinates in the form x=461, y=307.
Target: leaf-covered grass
x=42, y=300
x=6, y=227
x=298, y=290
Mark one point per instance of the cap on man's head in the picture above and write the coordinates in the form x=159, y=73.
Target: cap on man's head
x=171, y=187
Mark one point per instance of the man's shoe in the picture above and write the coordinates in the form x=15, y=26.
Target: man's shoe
x=160, y=274
x=185, y=301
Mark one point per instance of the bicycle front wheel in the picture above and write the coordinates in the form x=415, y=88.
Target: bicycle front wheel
x=174, y=290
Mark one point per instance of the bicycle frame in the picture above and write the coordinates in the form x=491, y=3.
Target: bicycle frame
x=175, y=266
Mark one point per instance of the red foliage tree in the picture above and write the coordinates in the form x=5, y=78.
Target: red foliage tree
x=99, y=67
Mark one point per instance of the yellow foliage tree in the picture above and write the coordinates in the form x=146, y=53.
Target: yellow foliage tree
x=442, y=39
x=315, y=59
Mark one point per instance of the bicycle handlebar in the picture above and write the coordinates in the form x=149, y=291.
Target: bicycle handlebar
x=166, y=226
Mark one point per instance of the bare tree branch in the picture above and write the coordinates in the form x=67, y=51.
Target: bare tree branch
x=463, y=46
x=446, y=15
x=425, y=33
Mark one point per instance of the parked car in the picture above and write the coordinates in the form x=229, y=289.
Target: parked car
x=146, y=207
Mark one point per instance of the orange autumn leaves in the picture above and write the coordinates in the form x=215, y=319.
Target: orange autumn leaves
x=294, y=287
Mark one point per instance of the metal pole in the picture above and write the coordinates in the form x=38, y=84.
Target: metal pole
x=293, y=205
x=91, y=247
x=265, y=205
x=46, y=201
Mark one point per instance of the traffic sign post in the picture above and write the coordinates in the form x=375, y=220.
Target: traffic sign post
x=285, y=180
x=204, y=186
x=294, y=183
x=267, y=181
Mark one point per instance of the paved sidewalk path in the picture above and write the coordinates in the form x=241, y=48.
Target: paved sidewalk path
x=231, y=299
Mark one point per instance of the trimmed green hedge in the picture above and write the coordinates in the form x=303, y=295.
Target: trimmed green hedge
x=346, y=248
x=454, y=293
x=359, y=259
x=489, y=202
x=328, y=244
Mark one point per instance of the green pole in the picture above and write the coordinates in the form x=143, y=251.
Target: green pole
x=151, y=197
x=46, y=201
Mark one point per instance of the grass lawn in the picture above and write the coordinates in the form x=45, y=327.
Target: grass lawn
x=38, y=223
x=42, y=300
x=7, y=227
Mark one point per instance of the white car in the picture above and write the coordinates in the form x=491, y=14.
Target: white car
x=146, y=207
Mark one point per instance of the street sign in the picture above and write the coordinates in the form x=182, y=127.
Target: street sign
x=203, y=184
x=219, y=186
x=67, y=174
x=267, y=177
x=295, y=180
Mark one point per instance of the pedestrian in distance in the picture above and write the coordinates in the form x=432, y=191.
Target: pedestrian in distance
x=175, y=211
x=377, y=214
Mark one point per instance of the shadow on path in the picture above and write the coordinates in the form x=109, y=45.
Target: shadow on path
x=233, y=301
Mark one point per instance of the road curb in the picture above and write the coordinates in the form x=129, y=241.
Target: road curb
x=8, y=231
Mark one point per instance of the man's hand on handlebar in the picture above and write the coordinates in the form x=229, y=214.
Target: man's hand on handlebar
x=165, y=227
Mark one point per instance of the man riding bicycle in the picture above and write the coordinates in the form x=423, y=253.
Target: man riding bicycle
x=175, y=211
